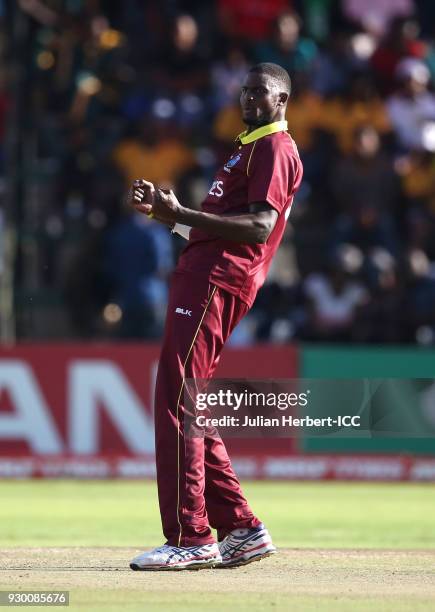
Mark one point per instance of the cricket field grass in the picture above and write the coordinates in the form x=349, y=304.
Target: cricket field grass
x=355, y=547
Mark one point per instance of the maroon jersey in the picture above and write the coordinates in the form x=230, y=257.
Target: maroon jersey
x=265, y=167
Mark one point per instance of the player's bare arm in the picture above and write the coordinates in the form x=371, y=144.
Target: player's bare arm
x=250, y=228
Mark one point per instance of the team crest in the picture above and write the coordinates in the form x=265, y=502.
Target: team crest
x=232, y=162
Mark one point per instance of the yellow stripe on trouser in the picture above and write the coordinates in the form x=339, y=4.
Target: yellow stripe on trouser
x=178, y=405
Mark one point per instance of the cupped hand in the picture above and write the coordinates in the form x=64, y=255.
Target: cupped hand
x=142, y=196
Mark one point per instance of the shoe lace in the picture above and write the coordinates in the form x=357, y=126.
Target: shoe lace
x=161, y=549
x=229, y=542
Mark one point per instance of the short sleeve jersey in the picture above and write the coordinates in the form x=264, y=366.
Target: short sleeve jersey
x=265, y=167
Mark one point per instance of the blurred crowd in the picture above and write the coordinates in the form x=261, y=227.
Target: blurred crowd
x=121, y=90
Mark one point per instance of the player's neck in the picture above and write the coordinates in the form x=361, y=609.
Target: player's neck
x=251, y=128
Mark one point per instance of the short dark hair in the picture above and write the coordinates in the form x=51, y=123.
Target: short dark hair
x=276, y=72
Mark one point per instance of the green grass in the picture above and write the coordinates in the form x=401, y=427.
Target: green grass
x=312, y=520
x=306, y=515
x=251, y=602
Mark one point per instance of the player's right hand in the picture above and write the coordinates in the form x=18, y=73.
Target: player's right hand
x=142, y=196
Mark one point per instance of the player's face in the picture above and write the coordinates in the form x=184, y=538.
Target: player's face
x=261, y=101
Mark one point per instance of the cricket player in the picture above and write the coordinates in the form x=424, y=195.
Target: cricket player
x=231, y=243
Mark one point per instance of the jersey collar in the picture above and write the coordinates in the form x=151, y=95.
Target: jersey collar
x=264, y=130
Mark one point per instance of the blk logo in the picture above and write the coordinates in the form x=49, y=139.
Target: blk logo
x=183, y=311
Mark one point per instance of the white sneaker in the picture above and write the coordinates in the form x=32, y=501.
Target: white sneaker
x=243, y=546
x=174, y=558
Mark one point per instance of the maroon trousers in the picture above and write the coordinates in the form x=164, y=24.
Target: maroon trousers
x=197, y=486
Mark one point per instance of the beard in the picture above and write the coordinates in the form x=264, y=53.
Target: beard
x=256, y=121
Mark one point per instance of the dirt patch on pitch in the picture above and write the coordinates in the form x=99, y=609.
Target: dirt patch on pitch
x=300, y=572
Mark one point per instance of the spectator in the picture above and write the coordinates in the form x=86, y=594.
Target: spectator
x=376, y=15
x=417, y=172
x=419, y=306
x=181, y=67
x=334, y=296
x=153, y=148
x=365, y=227
x=131, y=263
x=421, y=230
x=334, y=65
x=304, y=112
x=380, y=317
x=156, y=288
x=286, y=46
x=367, y=171
x=412, y=108
x=401, y=41
x=180, y=76
x=226, y=76
x=357, y=106
x=249, y=20
x=417, y=175
x=280, y=313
